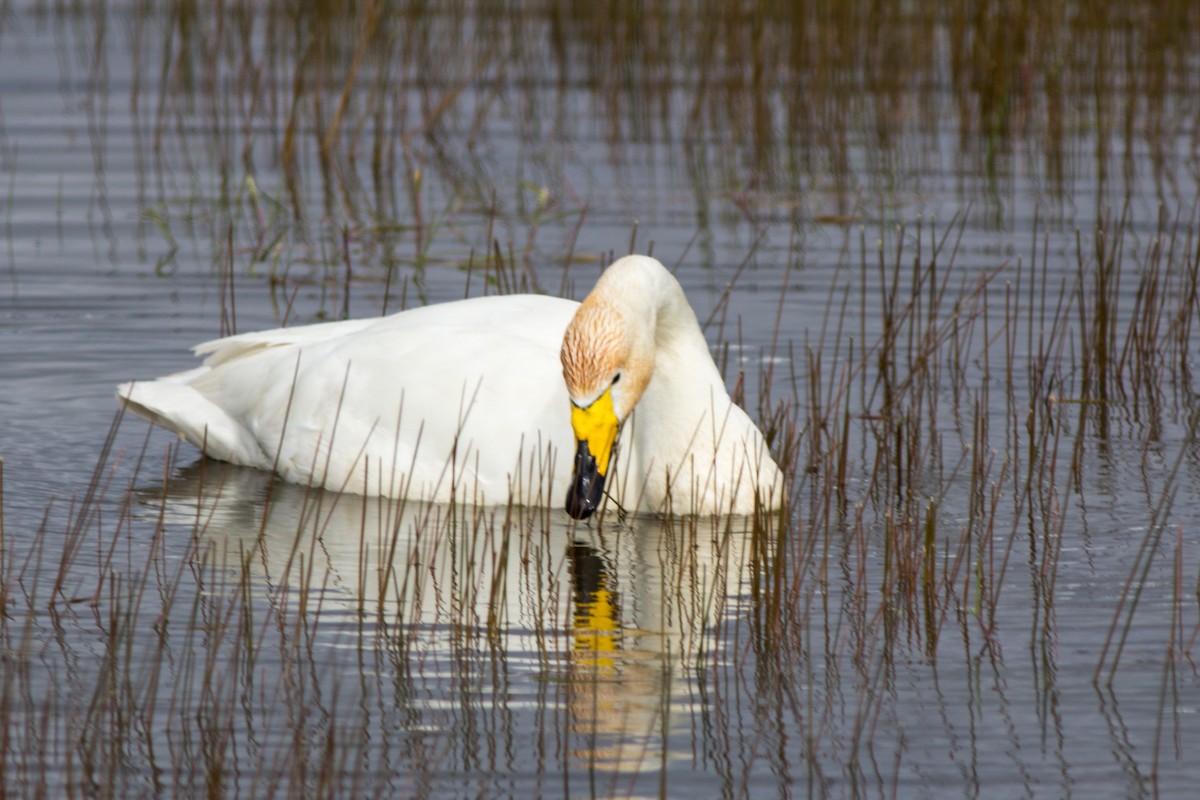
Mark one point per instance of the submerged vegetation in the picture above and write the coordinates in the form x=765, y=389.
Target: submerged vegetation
x=987, y=419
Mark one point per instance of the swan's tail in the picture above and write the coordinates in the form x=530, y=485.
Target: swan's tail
x=174, y=404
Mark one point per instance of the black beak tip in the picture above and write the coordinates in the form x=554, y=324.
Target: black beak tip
x=586, y=491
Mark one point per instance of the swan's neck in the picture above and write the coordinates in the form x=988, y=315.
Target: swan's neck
x=689, y=430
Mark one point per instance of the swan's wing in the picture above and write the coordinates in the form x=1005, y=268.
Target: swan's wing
x=475, y=381
x=456, y=392
x=218, y=351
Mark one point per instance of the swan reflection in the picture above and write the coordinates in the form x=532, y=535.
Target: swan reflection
x=610, y=616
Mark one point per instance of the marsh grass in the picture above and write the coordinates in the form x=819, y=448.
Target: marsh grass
x=302, y=137
x=945, y=431
x=216, y=630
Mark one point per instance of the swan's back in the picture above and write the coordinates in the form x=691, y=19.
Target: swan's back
x=449, y=400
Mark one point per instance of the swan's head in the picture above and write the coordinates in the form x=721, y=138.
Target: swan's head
x=607, y=360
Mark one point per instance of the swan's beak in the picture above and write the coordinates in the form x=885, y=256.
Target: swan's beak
x=595, y=435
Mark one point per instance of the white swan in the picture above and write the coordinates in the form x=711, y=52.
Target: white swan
x=484, y=400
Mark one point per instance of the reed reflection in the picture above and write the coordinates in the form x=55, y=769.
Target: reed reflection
x=465, y=615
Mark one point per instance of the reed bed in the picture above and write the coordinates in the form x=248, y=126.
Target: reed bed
x=216, y=631
x=335, y=143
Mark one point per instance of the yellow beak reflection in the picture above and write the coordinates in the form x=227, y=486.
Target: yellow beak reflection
x=595, y=435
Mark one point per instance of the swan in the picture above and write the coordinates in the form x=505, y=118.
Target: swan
x=485, y=400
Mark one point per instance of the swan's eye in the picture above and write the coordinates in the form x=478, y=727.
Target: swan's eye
x=616, y=378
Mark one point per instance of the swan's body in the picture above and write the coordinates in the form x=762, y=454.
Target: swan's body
x=467, y=401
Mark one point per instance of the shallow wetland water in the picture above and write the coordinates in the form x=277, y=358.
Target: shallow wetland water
x=949, y=260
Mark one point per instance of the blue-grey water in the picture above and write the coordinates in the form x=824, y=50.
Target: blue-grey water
x=172, y=627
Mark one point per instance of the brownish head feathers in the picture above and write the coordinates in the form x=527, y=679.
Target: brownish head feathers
x=594, y=348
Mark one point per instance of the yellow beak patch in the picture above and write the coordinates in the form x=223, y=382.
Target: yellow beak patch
x=596, y=426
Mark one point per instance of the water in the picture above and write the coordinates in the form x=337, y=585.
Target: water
x=172, y=626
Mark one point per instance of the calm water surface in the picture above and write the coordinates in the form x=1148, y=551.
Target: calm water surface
x=987, y=589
